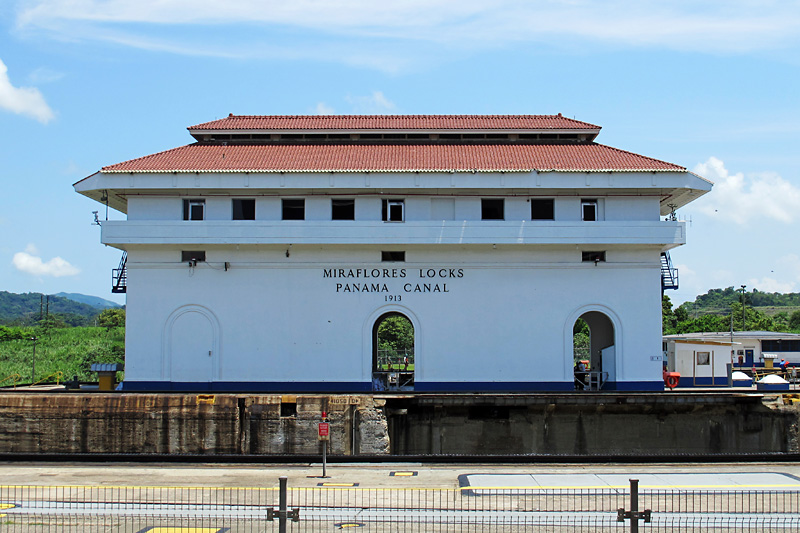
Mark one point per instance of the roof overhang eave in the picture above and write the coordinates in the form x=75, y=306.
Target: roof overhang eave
x=387, y=170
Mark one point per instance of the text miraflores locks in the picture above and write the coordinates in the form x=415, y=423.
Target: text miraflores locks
x=380, y=276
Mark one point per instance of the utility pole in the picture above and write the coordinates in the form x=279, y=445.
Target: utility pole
x=33, y=362
x=743, y=325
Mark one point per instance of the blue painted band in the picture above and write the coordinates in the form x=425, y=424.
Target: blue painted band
x=634, y=386
x=493, y=386
x=247, y=386
x=703, y=382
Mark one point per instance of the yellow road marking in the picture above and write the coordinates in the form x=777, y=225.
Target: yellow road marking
x=336, y=484
x=182, y=530
x=397, y=474
x=7, y=506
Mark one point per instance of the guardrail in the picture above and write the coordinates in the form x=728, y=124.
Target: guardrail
x=326, y=508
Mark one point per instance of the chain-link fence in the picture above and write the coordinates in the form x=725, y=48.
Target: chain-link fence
x=468, y=509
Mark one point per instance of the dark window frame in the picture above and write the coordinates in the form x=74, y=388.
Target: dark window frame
x=594, y=256
x=243, y=208
x=590, y=203
x=493, y=209
x=293, y=212
x=543, y=209
x=389, y=211
x=193, y=256
x=343, y=209
x=393, y=256
x=191, y=206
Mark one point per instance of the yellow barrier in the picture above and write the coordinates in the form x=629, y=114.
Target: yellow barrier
x=59, y=375
x=15, y=378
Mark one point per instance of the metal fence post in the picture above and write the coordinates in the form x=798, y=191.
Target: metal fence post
x=634, y=515
x=282, y=503
x=634, y=505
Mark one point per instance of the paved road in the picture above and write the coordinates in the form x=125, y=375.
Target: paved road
x=214, y=498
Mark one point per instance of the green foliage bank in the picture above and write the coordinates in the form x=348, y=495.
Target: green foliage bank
x=70, y=351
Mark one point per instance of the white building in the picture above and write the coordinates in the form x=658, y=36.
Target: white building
x=702, y=359
x=263, y=256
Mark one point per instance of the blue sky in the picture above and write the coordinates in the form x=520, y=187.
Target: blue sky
x=708, y=85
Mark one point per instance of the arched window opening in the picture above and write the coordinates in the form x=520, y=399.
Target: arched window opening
x=594, y=355
x=393, y=353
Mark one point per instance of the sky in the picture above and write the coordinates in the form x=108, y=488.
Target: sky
x=709, y=85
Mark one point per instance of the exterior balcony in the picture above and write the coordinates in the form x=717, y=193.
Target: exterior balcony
x=666, y=234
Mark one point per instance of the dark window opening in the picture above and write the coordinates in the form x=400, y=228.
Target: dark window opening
x=193, y=209
x=342, y=209
x=589, y=210
x=293, y=209
x=393, y=211
x=542, y=209
x=393, y=257
x=244, y=209
x=193, y=256
x=288, y=409
x=781, y=345
x=593, y=257
x=492, y=209
x=488, y=412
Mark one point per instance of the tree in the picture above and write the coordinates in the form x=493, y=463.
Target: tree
x=111, y=318
x=581, y=341
x=668, y=318
x=794, y=321
x=395, y=340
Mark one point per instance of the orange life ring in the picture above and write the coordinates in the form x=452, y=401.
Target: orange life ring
x=671, y=381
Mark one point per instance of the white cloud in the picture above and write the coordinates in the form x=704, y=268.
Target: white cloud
x=767, y=284
x=45, y=75
x=26, y=101
x=740, y=198
x=323, y=109
x=375, y=103
x=700, y=25
x=30, y=262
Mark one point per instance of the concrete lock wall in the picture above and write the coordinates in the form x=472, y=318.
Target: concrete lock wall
x=597, y=424
x=188, y=424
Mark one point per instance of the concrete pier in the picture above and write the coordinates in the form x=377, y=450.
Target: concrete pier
x=245, y=424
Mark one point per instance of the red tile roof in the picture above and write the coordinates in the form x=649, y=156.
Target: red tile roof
x=398, y=157
x=395, y=122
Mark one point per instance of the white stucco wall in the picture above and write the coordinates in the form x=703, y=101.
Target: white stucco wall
x=507, y=319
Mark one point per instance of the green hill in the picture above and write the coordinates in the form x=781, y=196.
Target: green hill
x=719, y=301
x=28, y=308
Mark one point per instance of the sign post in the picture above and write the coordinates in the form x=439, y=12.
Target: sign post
x=324, y=431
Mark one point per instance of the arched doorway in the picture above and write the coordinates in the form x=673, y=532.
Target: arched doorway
x=594, y=352
x=191, y=345
x=393, y=353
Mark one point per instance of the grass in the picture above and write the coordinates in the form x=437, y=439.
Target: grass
x=70, y=351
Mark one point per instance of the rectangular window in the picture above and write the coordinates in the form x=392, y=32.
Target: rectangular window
x=343, y=209
x=193, y=209
x=193, y=256
x=703, y=358
x=542, y=209
x=244, y=209
x=293, y=209
x=393, y=257
x=393, y=211
x=492, y=209
x=589, y=210
x=593, y=257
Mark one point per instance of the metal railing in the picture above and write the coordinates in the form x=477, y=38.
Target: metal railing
x=466, y=509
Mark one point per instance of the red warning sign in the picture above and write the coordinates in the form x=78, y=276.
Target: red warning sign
x=324, y=430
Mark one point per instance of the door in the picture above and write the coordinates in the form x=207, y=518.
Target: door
x=191, y=348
